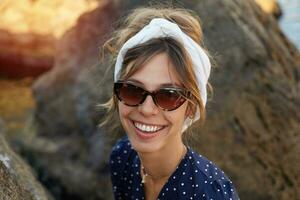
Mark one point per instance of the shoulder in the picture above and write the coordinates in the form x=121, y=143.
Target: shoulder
x=121, y=152
x=209, y=180
x=120, y=157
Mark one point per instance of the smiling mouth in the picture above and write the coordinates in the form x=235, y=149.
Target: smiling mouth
x=146, y=128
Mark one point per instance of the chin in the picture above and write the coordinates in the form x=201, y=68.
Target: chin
x=145, y=148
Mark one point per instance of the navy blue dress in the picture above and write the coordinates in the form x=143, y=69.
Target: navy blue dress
x=194, y=178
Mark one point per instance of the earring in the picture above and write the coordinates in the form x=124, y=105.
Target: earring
x=191, y=116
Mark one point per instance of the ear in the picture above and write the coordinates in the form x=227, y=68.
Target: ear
x=190, y=111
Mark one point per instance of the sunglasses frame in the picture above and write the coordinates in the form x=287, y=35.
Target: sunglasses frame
x=183, y=93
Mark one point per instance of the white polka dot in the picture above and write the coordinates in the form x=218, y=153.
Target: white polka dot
x=203, y=195
x=205, y=170
x=218, y=190
x=196, y=171
x=174, y=177
x=210, y=176
x=191, y=178
x=174, y=189
x=183, y=193
x=224, y=185
x=198, y=162
x=205, y=181
x=183, y=173
x=190, y=157
x=182, y=184
x=197, y=185
x=207, y=165
x=125, y=151
x=115, y=173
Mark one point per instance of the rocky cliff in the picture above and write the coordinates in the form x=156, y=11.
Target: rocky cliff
x=252, y=127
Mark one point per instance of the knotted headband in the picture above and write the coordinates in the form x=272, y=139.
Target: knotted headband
x=158, y=28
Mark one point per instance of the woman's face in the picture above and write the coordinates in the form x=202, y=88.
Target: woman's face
x=165, y=126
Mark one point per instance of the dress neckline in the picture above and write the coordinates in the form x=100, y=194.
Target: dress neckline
x=172, y=178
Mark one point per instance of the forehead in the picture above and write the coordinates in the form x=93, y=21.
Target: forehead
x=156, y=72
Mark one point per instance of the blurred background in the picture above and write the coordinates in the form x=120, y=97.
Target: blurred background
x=52, y=79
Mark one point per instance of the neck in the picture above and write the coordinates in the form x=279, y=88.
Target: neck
x=160, y=165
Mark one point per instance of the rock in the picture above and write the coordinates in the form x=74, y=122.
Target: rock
x=251, y=129
x=74, y=164
x=270, y=6
x=27, y=54
x=17, y=181
x=2, y=126
x=29, y=31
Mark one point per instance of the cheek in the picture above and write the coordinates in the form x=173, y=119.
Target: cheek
x=124, y=111
x=177, y=116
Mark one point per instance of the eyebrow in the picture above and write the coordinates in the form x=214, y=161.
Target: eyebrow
x=163, y=85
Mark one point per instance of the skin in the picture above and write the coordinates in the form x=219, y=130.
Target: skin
x=161, y=154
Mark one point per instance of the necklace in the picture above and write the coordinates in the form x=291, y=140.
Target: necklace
x=145, y=174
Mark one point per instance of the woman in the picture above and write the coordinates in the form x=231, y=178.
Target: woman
x=161, y=75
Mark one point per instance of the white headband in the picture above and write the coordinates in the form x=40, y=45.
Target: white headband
x=158, y=28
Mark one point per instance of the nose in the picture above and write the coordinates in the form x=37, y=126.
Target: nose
x=148, y=107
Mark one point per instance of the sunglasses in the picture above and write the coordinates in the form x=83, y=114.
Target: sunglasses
x=165, y=98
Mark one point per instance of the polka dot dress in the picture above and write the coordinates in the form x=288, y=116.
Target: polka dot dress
x=194, y=178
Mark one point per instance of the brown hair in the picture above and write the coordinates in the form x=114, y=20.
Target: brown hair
x=140, y=54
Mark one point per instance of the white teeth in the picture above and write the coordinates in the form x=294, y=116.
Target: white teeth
x=147, y=128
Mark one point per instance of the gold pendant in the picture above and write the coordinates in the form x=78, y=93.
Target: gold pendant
x=144, y=178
